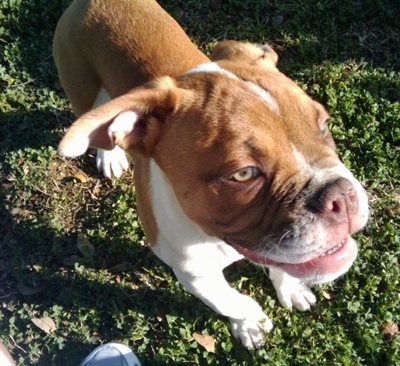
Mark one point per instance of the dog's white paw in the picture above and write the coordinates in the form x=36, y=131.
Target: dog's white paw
x=291, y=291
x=112, y=162
x=251, y=331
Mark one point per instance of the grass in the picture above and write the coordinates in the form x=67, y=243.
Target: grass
x=71, y=247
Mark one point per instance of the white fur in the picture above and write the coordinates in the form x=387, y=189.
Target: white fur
x=102, y=98
x=198, y=260
x=112, y=163
x=290, y=290
x=304, y=166
x=211, y=67
x=265, y=95
x=109, y=162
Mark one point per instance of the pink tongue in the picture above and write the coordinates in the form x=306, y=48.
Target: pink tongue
x=328, y=263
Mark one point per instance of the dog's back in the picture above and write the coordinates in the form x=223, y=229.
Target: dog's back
x=117, y=45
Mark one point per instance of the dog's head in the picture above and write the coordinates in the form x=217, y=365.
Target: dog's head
x=249, y=156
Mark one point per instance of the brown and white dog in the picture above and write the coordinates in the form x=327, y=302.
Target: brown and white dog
x=232, y=159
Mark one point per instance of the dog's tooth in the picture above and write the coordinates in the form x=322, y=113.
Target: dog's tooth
x=334, y=249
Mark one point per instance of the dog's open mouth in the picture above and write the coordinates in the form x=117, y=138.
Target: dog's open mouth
x=334, y=260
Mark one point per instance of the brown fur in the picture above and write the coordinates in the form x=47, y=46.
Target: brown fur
x=93, y=49
x=185, y=126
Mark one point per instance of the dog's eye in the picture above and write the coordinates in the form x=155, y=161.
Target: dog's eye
x=325, y=128
x=245, y=174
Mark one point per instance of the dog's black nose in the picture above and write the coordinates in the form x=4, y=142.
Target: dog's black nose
x=336, y=201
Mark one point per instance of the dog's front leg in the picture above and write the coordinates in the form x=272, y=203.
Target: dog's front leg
x=290, y=290
x=112, y=163
x=248, y=321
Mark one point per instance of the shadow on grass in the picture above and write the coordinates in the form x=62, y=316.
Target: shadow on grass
x=87, y=300
x=110, y=310
x=31, y=129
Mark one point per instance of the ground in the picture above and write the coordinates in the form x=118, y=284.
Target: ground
x=74, y=267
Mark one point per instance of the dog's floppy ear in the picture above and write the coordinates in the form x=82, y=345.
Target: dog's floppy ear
x=131, y=121
x=249, y=53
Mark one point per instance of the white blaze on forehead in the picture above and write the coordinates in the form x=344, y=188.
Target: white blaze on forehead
x=265, y=95
x=211, y=67
x=320, y=175
x=302, y=163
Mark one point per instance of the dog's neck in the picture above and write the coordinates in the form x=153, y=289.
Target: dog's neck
x=175, y=227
